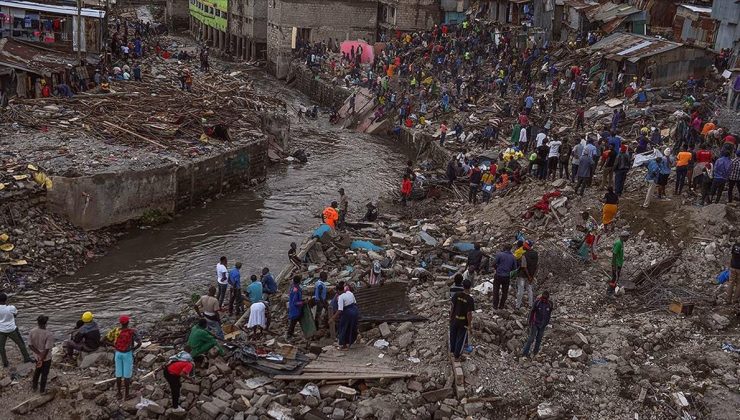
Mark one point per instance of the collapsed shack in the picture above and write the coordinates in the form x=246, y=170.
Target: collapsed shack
x=666, y=61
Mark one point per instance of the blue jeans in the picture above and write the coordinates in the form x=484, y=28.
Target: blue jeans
x=458, y=333
x=535, y=335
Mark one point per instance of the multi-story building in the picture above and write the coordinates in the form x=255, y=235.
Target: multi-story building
x=208, y=21
x=248, y=29
x=407, y=16
x=291, y=23
x=727, y=13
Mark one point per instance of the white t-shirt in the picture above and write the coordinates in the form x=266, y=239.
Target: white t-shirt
x=540, y=138
x=523, y=135
x=554, y=148
x=7, y=318
x=222, y=274
x=345, y=299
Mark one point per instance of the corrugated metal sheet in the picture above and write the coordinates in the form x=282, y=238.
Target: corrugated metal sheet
x=387, y=302
x=609, y=11
x=633, y=47
x=26, y=57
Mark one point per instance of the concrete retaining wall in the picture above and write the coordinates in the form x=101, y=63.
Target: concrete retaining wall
x=101, y=200
x=326, y=94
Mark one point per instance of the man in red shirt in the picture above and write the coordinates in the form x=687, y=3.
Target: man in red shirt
x=703, y=155
x=405, y=189
x=178, y=366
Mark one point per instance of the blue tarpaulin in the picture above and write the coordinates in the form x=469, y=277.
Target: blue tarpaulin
x=463, y=246
x=321, y=231
x=365, y=245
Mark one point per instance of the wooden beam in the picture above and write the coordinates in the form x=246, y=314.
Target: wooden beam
x=342, y=376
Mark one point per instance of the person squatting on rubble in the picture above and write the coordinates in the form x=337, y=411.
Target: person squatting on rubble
x=201, y=341
x=9, y=329
x=539, y=317
x=85, y=337
x=348, y=315
x=461, y=319
x=269, y=286
x=41, y=342
x=126, y=342
x=331, y=215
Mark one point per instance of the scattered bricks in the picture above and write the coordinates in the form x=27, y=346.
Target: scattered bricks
x=338, y=414
x=414, y=386
x=385, y=330
x=263, y=401
x=223, y=367
x=248, y=393
x=346, y=392
x=148, y=360
x=221, y=394
x=211, y=409
x=221, y=404
x=437, y=395
x=191, y=388
x=406, y=326
x=405, y=339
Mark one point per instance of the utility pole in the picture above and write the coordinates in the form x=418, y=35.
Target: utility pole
x=79, y=30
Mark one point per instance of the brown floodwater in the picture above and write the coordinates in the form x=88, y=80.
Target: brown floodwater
x=151, y=272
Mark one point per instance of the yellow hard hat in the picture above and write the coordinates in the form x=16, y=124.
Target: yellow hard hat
x=87, y=316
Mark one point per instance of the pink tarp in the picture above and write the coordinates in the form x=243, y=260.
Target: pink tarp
x=368, y=55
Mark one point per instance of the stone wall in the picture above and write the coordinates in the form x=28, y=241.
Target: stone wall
x=320, y=91
x=101, y=200
x=412, y=15
x=177, y=14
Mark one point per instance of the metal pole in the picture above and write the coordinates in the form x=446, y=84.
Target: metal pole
x=79, y=30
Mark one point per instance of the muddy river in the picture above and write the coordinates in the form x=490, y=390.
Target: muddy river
x=154, y=271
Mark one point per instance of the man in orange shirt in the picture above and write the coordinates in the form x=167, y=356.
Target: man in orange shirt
x=331, y=215
x=711, y=125
x=683, y=158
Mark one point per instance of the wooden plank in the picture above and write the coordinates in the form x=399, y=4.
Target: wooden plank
x=342, y=376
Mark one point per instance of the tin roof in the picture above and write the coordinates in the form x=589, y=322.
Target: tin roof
x=610, y=11
x=54, y=8
x=633, y=47
x=580, y=4
x=27, y=57
x=697, y=9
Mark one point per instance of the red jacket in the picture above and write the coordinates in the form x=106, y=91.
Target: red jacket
x=406, y=187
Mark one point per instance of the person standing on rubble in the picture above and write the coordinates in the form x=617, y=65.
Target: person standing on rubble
x=319, y=297
x=653, y=171
x=41, y=343
x=235, y=284
x=331, y=215
x=222, y=280
x=125, y=344
x=527, y=271
x=475, y=179
x=295, y=306
x=343, y=207
x=348, y=315
x=621, y=167
x=683, y=159
x=504, y=263
x=539, y=318
x=178, y=365
x=617, y=262
x=461, y=320
x=583, y=172
x=9, y=329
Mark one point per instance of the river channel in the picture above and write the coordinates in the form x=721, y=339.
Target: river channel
x=150, y=272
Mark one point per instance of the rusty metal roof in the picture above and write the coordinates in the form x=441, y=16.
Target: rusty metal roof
x=580, y=4
x=27, y=57
x=610, y=11
x=388, y=302
x=633, y=47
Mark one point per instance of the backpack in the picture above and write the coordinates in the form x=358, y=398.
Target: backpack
x=125, y=340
